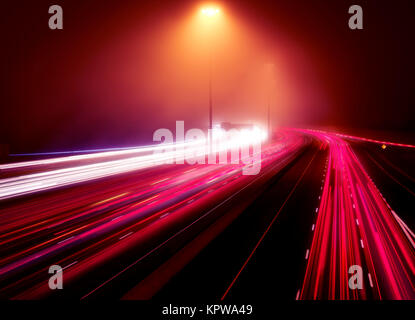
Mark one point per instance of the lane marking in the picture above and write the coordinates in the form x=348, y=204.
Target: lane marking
x=110, y=199
x=65, y=240
x=159, y=181
x=70, y=265
x=370, y=280
x=165, y=215
x=126, y=235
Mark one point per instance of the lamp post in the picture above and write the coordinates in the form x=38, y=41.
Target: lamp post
x=271, y=69
x=210, y=13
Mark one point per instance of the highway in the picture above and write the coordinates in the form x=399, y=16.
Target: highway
x=125, y=227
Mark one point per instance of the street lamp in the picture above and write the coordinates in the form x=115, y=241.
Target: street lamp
x=210, y=13
x=270, y=69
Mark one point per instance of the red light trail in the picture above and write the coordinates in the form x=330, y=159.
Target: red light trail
x=91, y=221
x=356, y=226
x=101, y=221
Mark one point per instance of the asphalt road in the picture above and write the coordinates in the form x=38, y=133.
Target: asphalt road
x=258, y=258
x=283, y=216
x=123, y=229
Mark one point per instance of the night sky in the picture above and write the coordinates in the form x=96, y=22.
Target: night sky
x=89, y=85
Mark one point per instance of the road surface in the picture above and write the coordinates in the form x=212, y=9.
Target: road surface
x=124, y=227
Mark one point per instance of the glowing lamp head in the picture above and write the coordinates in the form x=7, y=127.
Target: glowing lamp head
x=210, y=11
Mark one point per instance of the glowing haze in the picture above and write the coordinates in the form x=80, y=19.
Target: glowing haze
x=117, y=83
x=167, y=65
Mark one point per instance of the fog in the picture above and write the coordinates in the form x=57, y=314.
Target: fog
x=112, y=78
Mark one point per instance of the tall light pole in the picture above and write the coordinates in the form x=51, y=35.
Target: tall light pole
x=210, y=13
x=269, y=118
x=210, y=95
x=270, y=68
